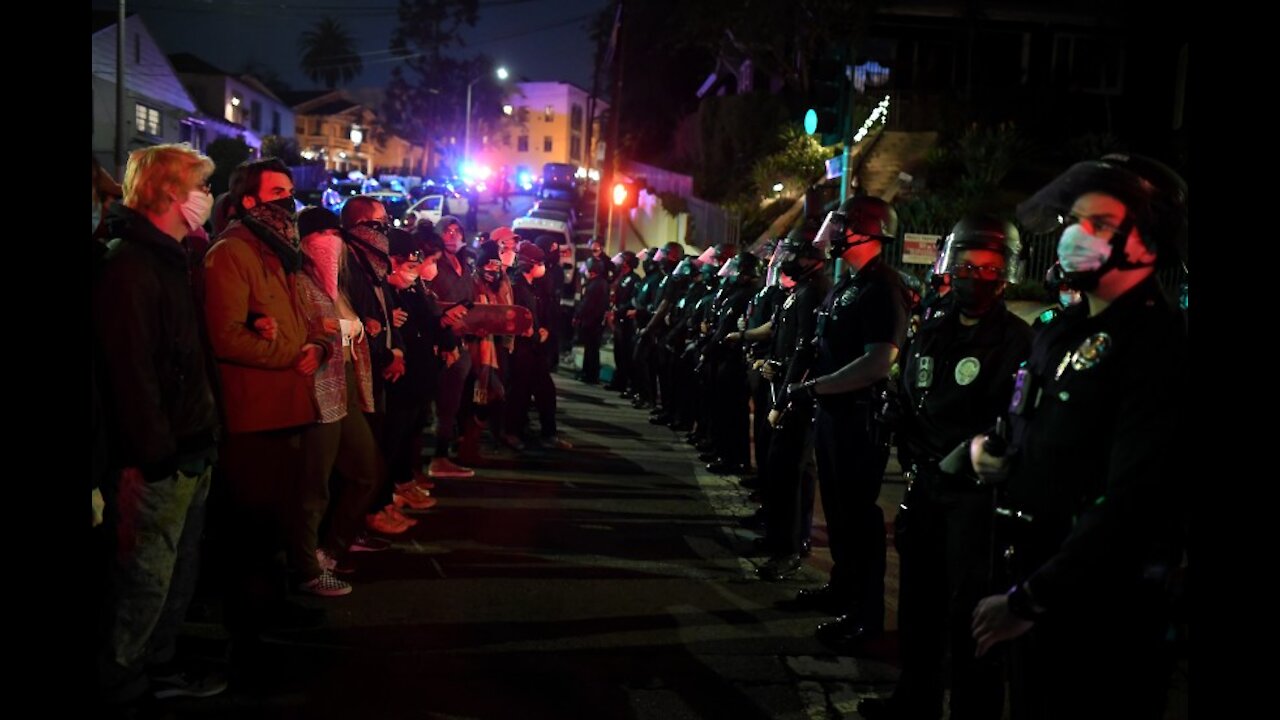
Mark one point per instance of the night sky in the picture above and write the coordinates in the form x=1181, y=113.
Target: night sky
x=538, y=40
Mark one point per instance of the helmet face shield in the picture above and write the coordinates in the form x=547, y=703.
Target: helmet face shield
x=708, y=256
x=831, y=233
x=729, y=270
x=771, y=270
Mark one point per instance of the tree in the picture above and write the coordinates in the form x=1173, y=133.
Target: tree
x=285, y=148
x=328, y=54
x=226, y=153
x=427, y=95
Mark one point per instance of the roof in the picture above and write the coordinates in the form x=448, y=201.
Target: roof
x=333, y=107
x=188, y=63
x=294, y=98
x=153, y=78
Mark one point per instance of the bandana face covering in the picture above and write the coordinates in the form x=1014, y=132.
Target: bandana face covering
x=325, y=251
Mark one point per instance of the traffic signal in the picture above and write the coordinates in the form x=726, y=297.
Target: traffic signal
x=623, y=194
x=828, y=98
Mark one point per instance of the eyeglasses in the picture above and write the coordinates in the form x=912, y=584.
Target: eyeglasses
x=980, y=272
x=413, y=256
x=375, y=225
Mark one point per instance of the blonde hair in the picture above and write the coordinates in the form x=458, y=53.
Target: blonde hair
x=157, y=172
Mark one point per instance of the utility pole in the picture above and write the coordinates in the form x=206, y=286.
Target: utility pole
x=615, y=110
x=120, y=116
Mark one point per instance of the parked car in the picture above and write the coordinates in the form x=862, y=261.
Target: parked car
x=435, y=206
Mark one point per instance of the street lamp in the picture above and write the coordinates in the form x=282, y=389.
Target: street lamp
x=466, y=141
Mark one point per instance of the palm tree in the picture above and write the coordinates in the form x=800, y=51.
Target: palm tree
x=328, y=54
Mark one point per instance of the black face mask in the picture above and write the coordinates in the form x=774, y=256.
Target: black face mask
x=286, y=204
x=975, y=298
x=492, y=277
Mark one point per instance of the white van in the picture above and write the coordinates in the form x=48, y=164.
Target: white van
x=529, y=228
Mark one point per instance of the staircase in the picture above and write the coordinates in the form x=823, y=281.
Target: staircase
x=896, y=152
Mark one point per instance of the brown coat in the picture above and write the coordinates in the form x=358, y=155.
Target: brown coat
x=260, y=389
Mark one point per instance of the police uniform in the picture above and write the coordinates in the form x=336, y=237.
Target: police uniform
x=956, y=382
x=790, y=466
x=1095, y=507
x=624, y=331
x=862, y=309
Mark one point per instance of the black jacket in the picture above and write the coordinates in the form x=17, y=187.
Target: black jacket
x=156, y=393
x=595, y=301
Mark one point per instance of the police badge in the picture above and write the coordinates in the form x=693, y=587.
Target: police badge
x=1091, y=352
x=967, y=370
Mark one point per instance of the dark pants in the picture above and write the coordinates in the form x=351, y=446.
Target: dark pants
x=850, y=472
x=790, y=477
x=349, y=447
x=566, y=328
x=262, y=471
x=156, y=528
x=643, y=369
x=591, y=337
x=405, y=423
x=529, y=378
x=732, y=426
x=624, y=332
x=944, y=539
x=762, y=431
x=453, y=380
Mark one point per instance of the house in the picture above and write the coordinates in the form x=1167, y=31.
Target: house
x=158, y=108
x=347, y=135
x=233, y=105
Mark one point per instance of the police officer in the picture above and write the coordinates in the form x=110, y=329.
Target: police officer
x=862, y=324
x=730, y=424
x=642, y=385
x=588, y=320
x=958, y=377
x=624, y=319
x=1093, y=482
x=791, y=467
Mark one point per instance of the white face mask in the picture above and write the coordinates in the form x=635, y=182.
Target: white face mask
x=407, y=277
x=1078, y=251
x=196, y=209
x=428, y=271
x=1067, y=298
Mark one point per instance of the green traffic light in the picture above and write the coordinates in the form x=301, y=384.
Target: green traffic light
x=810, y=121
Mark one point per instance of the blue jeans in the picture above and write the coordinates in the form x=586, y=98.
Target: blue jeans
x=156, y=529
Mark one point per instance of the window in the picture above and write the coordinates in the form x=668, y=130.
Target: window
x=547, y=114
x=522, y=144
x=147, y=120
x=575, y=148
x=255, y=115
x=275, y=122
x=300, y=128
x=506, y=139
x=546, y=144
x=576, y=117
x=319, y=126
x=523, y=116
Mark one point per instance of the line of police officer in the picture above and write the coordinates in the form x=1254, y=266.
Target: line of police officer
x=1078, y=511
